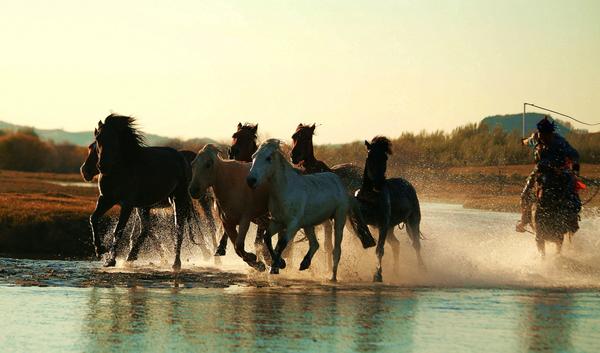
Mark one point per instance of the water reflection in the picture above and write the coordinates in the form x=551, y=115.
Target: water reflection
x=250, y=320
x=549, y=321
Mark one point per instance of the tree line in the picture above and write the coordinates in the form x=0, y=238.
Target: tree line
x=468, y=145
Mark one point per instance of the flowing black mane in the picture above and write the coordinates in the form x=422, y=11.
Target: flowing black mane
x=382, y=143
x=126, y=128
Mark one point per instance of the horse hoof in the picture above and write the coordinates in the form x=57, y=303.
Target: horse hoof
x=250, y=257
x=99, y=251
x=333, y=279
x=220, y=252
x=110, y=262
x=260, y=267
x=304, y=264
x=378, y=277
x=274, y=271
x=281, y=264
x=369, y=243
x=177, y=265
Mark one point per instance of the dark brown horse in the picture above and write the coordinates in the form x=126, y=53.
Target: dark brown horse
x=243, y=146
x=303, y=157
x=89, y=170
x=386, y=203
x=135, y=176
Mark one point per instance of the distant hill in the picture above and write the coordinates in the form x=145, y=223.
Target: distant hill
x=83, y=138
x=513, y=122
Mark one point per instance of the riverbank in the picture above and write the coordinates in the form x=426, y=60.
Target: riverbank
x=46, y=215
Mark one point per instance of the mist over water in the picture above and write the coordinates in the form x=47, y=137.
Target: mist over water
x=461, y=247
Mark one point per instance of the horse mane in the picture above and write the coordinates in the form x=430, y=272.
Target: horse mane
x=302, y=127
x=383, y=143
x=212, y=149
x=251, y=128
x=131, y=136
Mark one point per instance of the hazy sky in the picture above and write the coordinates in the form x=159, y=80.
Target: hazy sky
x=359, y=68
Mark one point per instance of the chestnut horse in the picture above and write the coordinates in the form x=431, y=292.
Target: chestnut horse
x=238, y=204
x=243, y=146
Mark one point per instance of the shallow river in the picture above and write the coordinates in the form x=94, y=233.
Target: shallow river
x=485, y=290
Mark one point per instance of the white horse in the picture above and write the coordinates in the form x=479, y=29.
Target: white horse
x=301, y=201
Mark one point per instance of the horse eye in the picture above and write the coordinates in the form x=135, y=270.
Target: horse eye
x=208, y=164
x=269, y=159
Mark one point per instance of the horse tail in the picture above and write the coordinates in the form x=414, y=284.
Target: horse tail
x=358, y=223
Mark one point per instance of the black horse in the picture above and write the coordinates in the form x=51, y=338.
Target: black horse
x=555, y=211
x=89, y=170
x=136, y=176
x=386, y=203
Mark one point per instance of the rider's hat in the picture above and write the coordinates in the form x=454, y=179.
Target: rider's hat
x=546, y=125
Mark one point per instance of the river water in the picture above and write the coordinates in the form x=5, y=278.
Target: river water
x=485, y=289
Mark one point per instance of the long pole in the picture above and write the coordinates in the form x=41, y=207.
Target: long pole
x=524, y=109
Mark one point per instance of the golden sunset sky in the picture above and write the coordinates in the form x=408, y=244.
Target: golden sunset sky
x=358, y=68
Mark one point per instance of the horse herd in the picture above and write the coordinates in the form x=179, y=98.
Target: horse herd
x=256, y=184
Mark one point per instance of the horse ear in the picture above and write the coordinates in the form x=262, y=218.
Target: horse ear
x=368, y=145
x=300, y=125
x=312, y=128
x=239, y=126
x=255, y=128
x=100, y=123
x=95, y=132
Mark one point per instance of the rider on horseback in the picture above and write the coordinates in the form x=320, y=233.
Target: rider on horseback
x=552, y=152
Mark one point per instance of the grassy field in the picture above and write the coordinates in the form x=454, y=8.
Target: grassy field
x=47, y=214
x=38, y=216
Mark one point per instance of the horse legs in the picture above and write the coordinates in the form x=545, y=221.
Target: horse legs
x=240, y=242
x=414, y=232
x=340, y=222
x=541, y=245
x=328, y=242
x=379, y=250
x=102, y=206
x=282, y=242
x=222, y=248
x=395, y=244
x=123, y=218
x=181, y=212
x=135, y=243
x=313, y=247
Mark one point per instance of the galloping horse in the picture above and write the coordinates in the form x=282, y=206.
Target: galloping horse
x=386, y=203
x=303, y=156
x=135, y=176
x=553, y=211
x=89, y=170
x=301, y=201
x=243, y=146
x=238, y=204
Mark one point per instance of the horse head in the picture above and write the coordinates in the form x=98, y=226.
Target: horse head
x=376, y=165
x=243, y=144
x=117, y=141
x=89, y=168
x=203, y=170
x=264, y=162
x=302, y=148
